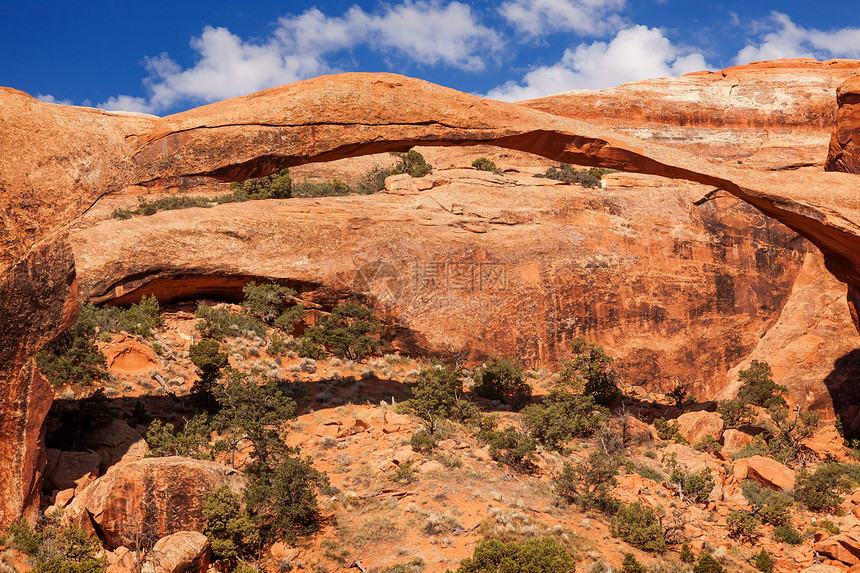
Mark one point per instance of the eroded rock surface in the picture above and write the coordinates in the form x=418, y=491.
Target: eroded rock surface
x=844, y=153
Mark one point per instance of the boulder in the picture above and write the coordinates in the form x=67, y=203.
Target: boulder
x=826, y=443
x=844, y=152
x=696, y=426
x=766, y=471
x=181, y=552
x=735, y=439
x=150, y=497
x=844, y=547
x=71, y=470
x=822, y=569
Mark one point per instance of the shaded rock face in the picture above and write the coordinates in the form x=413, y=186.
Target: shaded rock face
x=153, y=497
x=672, y=288
x=844, y=152
x=56, y=161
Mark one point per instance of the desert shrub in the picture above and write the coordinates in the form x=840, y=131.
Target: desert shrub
x=770, y=506
x=667, y=429
x=763, y=561
x=788, y=432
x=735, y=413
x=411, y=162
x=511, y=447
x=438, y=395
x=333, y=188
x=277, y=345
x=687, y=555
x=484, y=164
x=758, y=387
x=192, y=441
x=696, y=486
x=756, y=447
x=588, y=483
x=708, y=444
x=404, y=473
x=786, y=533
x=151, y=207
x=502, y=379
x=140, y=318
x=72, y=357
x=208, y=358
x=823, y=489
x=707, y=564
x=532, y=556
x=218, y=323
x=284, y=501
x=631, y=565
x=638, y=525
x=649, y=472
x=828, y=526
x=742, y=525
x=568, y=174
x=591, y=368
x=678, y=394
x=422, y=441
x=231, y=530
x=412, y=565
x=307, y=348
x=57, y=548
x=278, y=185
x=564, y=415
x=348, y=331
x=273, y=304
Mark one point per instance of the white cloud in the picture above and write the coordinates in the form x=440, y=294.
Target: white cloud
x=785, y=39
x=425, y=31
x=585, y=17
x=48, y=98
x=635, y=53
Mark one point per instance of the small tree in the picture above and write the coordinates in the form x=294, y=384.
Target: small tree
x=735, y=413
x=192, y=441
x=273, y=304
x=349, y=331
x=631, y=565
x=207, y=356
x=231, y=531
x=707, y=564
x=533, y=556
x=484, y=164
x=438, y=394
x=502, y=379
x=823, y=489
x=638, y=525
x=564, y=414
x=758, y=387
x=511, y=447
x=278, y=185
x=592, y=367
x=763, y=561
x=588, y=483
x=742, y=525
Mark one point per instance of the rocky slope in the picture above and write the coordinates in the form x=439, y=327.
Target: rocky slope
x=57, y=161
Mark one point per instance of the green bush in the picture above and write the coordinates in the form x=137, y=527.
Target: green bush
x=708, y=444
x=422, y=441
x=484, y=164
x=786, y=533
x=822, y=490
x=696, y=486
x=707, y=564
x=218, y=323
x=438, y=395
x=412, y=163
x=667, y=429
x=192, y=441
x=638, y=525
x=511, y=447
x=735, y=413
x=758, y=387
x=207, y=356
x=334, y=188
x=568, y=174
x=592, y=368
x=170, y=203
x=631, y=565
x=231, y=531
x=763, y=561
x=742, y=525
x=588, y=483
x=273, y=304
x=350, y=331
x=562, y=416
x=532, y=556
x=57, y=548
x=770, y=506
x=687, y=555
x=278, y=185
x=502, y=379
x=307, y=348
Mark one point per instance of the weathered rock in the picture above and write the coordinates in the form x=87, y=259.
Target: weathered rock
x=153, y=496
x=130, y=357
x=844, y=153
x=844, y=547
x=734, y=439
x=181, y=552
x=766, y=471
x=56, y=161
x=71, y=470
x=822, y=569
x=826, y=443
x=696, y=426
x=118, y=443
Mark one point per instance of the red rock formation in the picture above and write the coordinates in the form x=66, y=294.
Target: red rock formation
x=56, y=161
x=844, y=153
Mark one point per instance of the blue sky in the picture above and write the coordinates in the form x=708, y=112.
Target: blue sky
x=162, y=57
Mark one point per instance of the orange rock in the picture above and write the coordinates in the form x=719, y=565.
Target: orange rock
x=695, y=426
x=154, y=496
x=844, y=547
x=74, y=470
x=844, y=153
x=826, y=443
x=130, y=357
x=734, y=440
x=181, y=552
x=766, y=471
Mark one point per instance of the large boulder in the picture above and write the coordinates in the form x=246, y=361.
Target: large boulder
x=696, y=426
x=181, y=552
x=844, y=153
x=844, y=547
x=150, y=498
x=766, y=471
x=71, y=470
x=734, y=439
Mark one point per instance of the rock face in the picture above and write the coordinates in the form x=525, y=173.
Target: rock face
x=57, y=161
x=182, y=552
x=696, y=426
x=150, y=497
x=844, y=153
x=766, y=471
x=844, y=547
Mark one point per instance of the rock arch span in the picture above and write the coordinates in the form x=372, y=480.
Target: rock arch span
x=56, y=162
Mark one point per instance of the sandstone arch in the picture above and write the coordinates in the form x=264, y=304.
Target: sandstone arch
x=57, y=161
